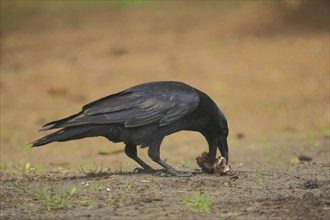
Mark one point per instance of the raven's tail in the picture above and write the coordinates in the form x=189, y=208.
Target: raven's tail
x=67, y=134
x=59, y=123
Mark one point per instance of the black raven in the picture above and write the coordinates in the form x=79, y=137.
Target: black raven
x=143, y=115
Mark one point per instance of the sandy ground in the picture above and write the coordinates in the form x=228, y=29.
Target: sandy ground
x=265, y=64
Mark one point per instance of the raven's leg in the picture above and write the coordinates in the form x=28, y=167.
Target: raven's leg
x=131, y=152
x=154, y=154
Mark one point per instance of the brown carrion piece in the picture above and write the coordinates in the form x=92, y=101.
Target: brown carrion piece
x=219, y=167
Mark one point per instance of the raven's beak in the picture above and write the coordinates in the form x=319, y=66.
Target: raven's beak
x=223, y=147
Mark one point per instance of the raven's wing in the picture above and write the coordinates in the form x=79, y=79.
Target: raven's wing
x=135, y=107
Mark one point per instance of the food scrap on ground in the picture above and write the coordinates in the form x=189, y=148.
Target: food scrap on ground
x=219, y=167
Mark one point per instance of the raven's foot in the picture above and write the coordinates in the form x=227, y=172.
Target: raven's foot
x=183, y=174
x=164, y=173
x=142, y=170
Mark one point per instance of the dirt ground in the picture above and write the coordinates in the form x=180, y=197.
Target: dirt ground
x=265, y=64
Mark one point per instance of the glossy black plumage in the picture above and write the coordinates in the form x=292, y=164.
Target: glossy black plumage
x=144, y=115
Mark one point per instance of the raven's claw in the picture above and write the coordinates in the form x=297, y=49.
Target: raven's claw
x=184, y=174
x=141, y=170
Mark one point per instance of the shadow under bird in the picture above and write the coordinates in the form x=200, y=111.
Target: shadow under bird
x=143, y=115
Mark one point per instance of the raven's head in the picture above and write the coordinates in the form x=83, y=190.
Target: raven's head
x=216, y=129
x=218, y=139
x=216, y=134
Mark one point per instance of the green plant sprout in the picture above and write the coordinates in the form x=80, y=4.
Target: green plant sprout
x=129, y=186
x=94, y=170
x=109, y=201
x=51, y=200
x=97, y=186
x=198, y=202
x=28, y=171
